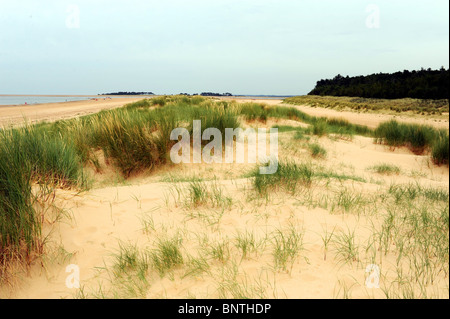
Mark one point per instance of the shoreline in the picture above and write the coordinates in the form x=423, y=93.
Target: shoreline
x=12, y=116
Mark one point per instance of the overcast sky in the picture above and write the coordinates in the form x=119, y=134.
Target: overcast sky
x=240, y=46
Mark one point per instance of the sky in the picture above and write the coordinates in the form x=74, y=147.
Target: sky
x=254, y=47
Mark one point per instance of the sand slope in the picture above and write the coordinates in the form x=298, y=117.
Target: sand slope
x=147, y=209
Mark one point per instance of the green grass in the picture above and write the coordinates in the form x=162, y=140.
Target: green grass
x=346, y=248
x=288, y=128
x=200, y=193
x=300, y=135
x=288, y=177
x=440, y=149
x=30, y=156
x=214, y=116
x=317, y=151
x=401, y=192
x=288, y=244
x=247, y=243
x=135, y=138
x=414, y=106
x=326, y=174
x=320, y=125
x=326, y=240
x=129, y=143
x=416, y=229
x=254, y=112
x=167, y=255
x=220, y=251
x=418, y=138
x=320, y=128
x=346, y=201
x=386, y=169
x=414, y=136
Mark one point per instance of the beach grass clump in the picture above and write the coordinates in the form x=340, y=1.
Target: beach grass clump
x=158, y=101
x=19, y=225
x=246, y=243
x=254, y=112
x=129, y=260
x=418, y=138
x=220, y=251
x=216, y=117
x=301, y=135
x=288, y=177
x=53, y=159
x=186, y=100
x=416, y=229
x=386, y=169
x=325, y=126
x=408, y=192
x=346, y=248
x=288, y=244
x=290, y=113
x=145, y=103
x=128, y=143
x=201, y=194
x=317, y=151
x=288, y=128
x=344, y=127
x=132, y=139
x=347, y=201
x=167, y=255
x=320, y=128
x=440, y=150
x=198, y=193
x=30, y=156
x=415, y=106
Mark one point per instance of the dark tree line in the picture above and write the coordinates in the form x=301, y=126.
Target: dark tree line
x=423, y=84
x=215, y=94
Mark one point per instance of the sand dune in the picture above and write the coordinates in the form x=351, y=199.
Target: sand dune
x=147, y=209
x=93, y=230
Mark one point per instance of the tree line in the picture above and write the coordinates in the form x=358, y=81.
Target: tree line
x=422, y=84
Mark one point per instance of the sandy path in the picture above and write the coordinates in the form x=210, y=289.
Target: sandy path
x=14, y=115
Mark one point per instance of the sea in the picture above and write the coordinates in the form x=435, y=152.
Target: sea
x=31, y=100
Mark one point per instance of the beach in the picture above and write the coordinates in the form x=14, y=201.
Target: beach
x=18, y=114
x=230, y=240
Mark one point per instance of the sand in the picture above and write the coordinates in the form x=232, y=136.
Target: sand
x=17, y=115
x=145, y=209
